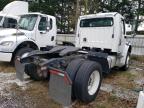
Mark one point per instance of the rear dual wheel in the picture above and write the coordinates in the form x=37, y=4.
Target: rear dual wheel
x=87, y=81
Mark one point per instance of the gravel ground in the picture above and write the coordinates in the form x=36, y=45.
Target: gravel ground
x=119, y=90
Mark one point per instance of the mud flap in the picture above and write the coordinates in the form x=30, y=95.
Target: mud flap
x=60, y=88
x=19, y=69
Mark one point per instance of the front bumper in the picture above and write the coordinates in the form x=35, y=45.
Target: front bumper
x=5, y=57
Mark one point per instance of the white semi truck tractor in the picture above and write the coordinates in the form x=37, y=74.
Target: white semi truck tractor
x=75, y=73
x=34, y=32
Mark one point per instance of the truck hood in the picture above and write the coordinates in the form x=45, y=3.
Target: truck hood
x=7, y=32
x=14, y=32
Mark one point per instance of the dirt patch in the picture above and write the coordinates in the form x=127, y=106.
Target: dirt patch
x=106, y=100
x=139, y=59
x=28, y=94
x=130, y=79
x=6, y=67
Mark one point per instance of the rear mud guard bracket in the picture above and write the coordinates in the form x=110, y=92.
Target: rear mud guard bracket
x=19, y=69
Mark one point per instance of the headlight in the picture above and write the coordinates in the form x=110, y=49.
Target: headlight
x=7, y=43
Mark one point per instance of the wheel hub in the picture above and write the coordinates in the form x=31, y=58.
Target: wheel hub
x=93, y=82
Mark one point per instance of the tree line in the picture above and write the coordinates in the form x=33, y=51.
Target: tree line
x=68, y=11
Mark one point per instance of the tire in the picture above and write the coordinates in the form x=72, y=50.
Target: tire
x=72, y=69
x=22, y=52
x=34, y=72
x=89, y=73
x=126, y=66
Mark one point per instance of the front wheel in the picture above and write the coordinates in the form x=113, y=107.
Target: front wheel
x=88, y=81
x=127, y=63
x=23, y=52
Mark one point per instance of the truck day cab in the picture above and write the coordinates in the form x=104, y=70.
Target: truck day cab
x=75, y=73
x=35, y=31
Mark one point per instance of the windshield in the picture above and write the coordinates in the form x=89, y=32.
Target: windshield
x=27, y=22
x=96, y=22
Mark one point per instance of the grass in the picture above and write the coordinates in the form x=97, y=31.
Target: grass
x=127, y=75
x=6, y=67
x=137, y=58
x=138, y=33
x=106, y=100
x=123, y=79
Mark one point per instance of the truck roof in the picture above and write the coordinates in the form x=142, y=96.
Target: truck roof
x=109, y=14
x=38, y=13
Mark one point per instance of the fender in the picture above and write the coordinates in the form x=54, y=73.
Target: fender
x=101, y=58
x=127, y=49
x=23, y=40
x=29, y=44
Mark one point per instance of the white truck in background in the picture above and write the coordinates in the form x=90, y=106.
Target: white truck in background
x=9, y=16
x=35, y=31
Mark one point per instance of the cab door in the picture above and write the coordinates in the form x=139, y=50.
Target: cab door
x=43, y=35
x=122, y=40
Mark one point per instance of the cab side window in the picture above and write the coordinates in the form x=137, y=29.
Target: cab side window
x=51, y=24
x=43, y=24
x=123, y=27
x=9, y=23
